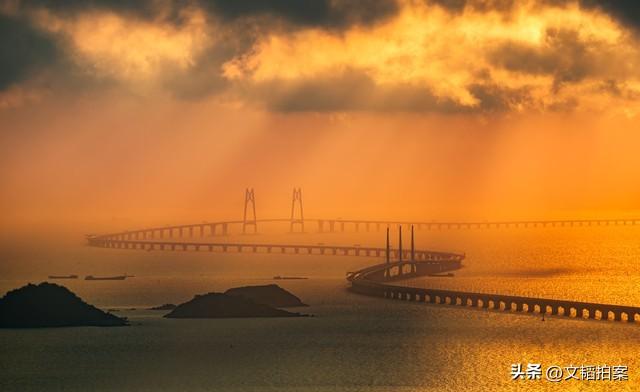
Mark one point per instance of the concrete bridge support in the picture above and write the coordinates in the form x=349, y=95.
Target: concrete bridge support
x=297, y=214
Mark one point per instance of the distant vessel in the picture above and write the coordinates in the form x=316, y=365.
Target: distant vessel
x=117, y=277
x=63, y=276
x=288, y=277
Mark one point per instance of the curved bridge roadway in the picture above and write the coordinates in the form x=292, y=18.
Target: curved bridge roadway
x=377, y=280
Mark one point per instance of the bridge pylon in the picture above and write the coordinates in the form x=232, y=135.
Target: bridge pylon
x=249, y=211
x=297, y=219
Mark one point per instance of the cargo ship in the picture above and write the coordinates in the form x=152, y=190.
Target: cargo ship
x=288, y=277
x=63, y=276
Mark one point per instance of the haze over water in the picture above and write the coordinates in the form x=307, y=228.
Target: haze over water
x=121, y=115
x=354, y=342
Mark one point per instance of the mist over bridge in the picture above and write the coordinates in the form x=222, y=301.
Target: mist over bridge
x=377, y=280
x=298, y=223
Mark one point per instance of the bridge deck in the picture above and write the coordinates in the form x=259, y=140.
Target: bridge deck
x=331, y=250
x=340, y=225
x=376, y=280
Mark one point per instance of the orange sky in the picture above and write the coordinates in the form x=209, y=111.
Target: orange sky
x=113, y=117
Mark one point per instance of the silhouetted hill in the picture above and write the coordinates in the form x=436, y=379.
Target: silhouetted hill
x=50, y=305
x=163, y=307
x=271, y=294
x=218, y=305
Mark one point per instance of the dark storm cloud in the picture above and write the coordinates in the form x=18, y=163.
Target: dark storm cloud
x=247, y=20
x=626, y=11
x=204, y=77
x=563, y=55
x=353, y=90
x=143, y=8
x=496, y=98
x=476, y=5
x=349, y=91
x=23, y=51
x=317, y=13
x=239, y=24
x=244, y=20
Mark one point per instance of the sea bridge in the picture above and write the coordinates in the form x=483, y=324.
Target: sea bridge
x=380, y=279
x=224, y=228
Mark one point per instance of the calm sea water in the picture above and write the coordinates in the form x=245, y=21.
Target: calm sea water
x=354, y=343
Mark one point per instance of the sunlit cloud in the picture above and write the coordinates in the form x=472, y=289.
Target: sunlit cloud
x=405, y=55
x=107, y=44
x=530, y=57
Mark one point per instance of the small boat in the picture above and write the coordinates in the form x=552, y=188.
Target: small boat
x=63, y=276
x=117, y=277
x=278, y=277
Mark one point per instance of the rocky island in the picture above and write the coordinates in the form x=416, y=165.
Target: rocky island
x=219, y=305
x=271, y=294
x=51, y=305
